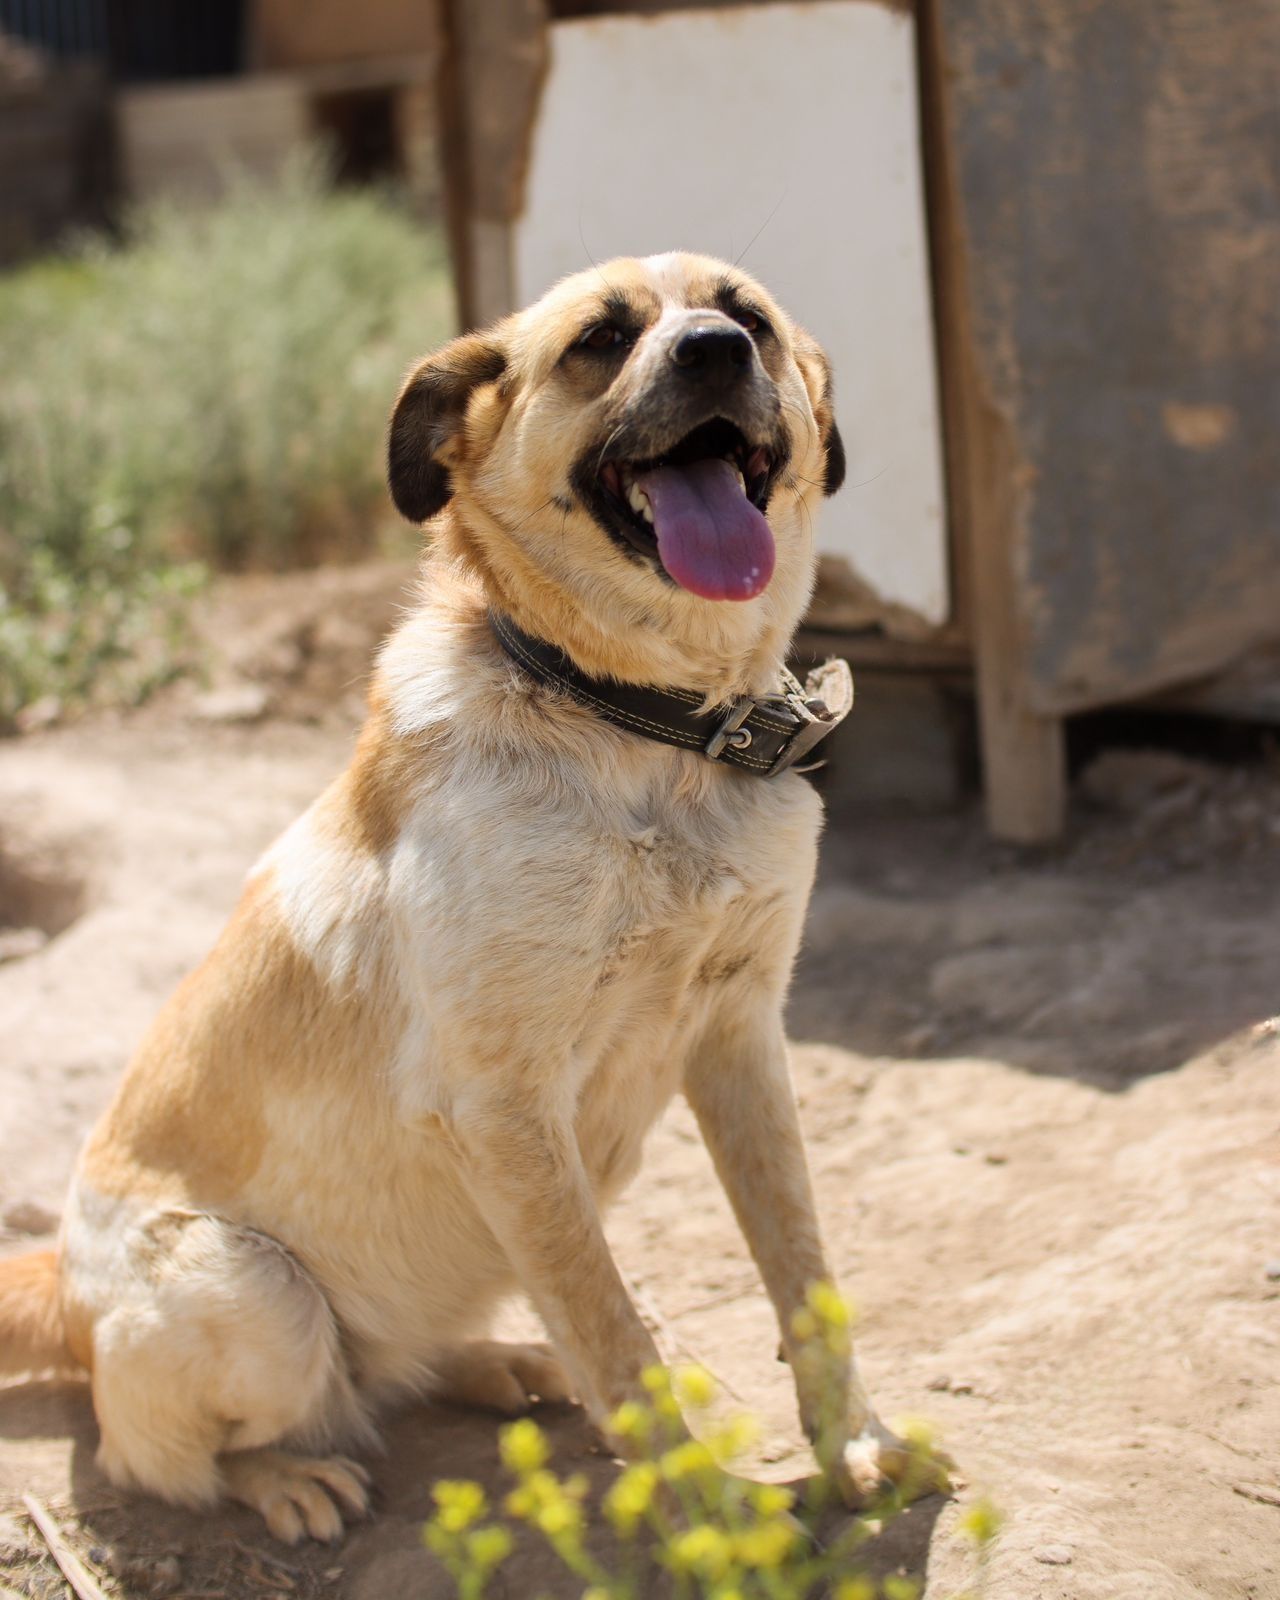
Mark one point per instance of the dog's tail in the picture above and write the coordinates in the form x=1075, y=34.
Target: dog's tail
x=33, y=1336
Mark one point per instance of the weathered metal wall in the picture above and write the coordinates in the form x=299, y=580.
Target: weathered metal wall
x=1116, y=171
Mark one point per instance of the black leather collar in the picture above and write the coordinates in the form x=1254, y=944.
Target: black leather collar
x=762, y=734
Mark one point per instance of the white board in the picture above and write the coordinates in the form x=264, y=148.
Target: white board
x=787, y=135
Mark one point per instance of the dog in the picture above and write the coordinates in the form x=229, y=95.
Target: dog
x=562, y=878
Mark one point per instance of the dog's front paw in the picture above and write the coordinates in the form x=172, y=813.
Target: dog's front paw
x=877, y=1461
x=508, y=1378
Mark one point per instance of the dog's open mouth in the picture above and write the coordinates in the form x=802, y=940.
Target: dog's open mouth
x=702, y=505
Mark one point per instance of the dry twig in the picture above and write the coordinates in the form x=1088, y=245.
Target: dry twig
x=74, y=1570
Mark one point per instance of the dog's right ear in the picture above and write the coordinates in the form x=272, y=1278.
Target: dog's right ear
x=428, y=418
x=815, y=369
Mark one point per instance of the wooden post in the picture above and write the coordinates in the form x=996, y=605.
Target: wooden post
x=497, y=61
x=1023, y=752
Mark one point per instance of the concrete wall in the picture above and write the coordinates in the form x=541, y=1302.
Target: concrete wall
x=787, y=135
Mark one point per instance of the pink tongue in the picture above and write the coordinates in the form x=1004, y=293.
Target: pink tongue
x=712, y=540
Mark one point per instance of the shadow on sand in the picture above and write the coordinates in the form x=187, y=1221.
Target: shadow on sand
x=227, y=1552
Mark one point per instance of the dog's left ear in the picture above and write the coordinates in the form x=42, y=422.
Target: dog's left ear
x=815, y=369
x=428, y=419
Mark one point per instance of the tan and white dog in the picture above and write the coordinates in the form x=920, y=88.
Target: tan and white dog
x=460, y=989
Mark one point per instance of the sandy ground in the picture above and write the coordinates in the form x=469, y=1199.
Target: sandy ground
x=1042, y=1098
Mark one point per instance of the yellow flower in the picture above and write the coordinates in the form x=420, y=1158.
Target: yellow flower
x=980, y=1521
x=686, y=1460
x=766, y=1545
x=631, y=1496
x=631, y=1421
x=551, y=1506
x=855, y=1589
x=489, y=1547
x=897, y=1588
x=460, y=1504
x=524, y=1446
x=704, y=1550
x=520, y=1503
x=534, y=1491
x=771, y=1499
x=829, y=1305
x=827, y=1316
x=558, y=1517
x=918, y=1432
x=657, y=1380
x=735, y=1438
x=695, y=1387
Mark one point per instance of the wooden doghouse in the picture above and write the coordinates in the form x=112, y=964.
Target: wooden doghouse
x=1044, y=243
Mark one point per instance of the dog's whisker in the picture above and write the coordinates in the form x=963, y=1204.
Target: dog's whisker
x=737, y=260
x=582, y=240
x=604, y=448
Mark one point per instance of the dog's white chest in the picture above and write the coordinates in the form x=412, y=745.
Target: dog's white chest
x=702, y=916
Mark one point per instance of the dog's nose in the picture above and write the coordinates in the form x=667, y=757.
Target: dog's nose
x=714, y=352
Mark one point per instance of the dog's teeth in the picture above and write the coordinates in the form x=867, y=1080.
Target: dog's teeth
x=646, y=511
x=638, y=499
x=742, y=482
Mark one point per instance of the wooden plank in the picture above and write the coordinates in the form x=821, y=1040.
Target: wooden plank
x=287, y=34
x=942, y=655
x=601, y=8
x=375, y=72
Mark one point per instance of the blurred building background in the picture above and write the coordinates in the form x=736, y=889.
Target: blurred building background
x=1042, y=243
x=107, y=101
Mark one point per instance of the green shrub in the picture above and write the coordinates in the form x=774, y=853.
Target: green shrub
x=210, y=393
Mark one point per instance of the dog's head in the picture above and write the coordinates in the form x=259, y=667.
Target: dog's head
x=635, y=451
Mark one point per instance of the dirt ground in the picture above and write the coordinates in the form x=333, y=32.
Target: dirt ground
x=1042, y=1099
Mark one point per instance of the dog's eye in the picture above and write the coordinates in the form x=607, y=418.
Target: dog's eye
x=602, y=336
x=749, y=320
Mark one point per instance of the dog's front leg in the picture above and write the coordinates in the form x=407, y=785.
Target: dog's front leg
x=534, y=1195
x=740, y=1089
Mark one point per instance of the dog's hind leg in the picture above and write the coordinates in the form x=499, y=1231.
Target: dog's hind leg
x=218, y=1346
x=296, y=1494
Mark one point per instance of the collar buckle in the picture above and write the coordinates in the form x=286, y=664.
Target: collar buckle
x=816, y=707
x=811, y=729
x=819, y=705
x=730, y=730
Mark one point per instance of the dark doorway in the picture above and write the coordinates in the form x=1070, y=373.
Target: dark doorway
x=359, y=125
